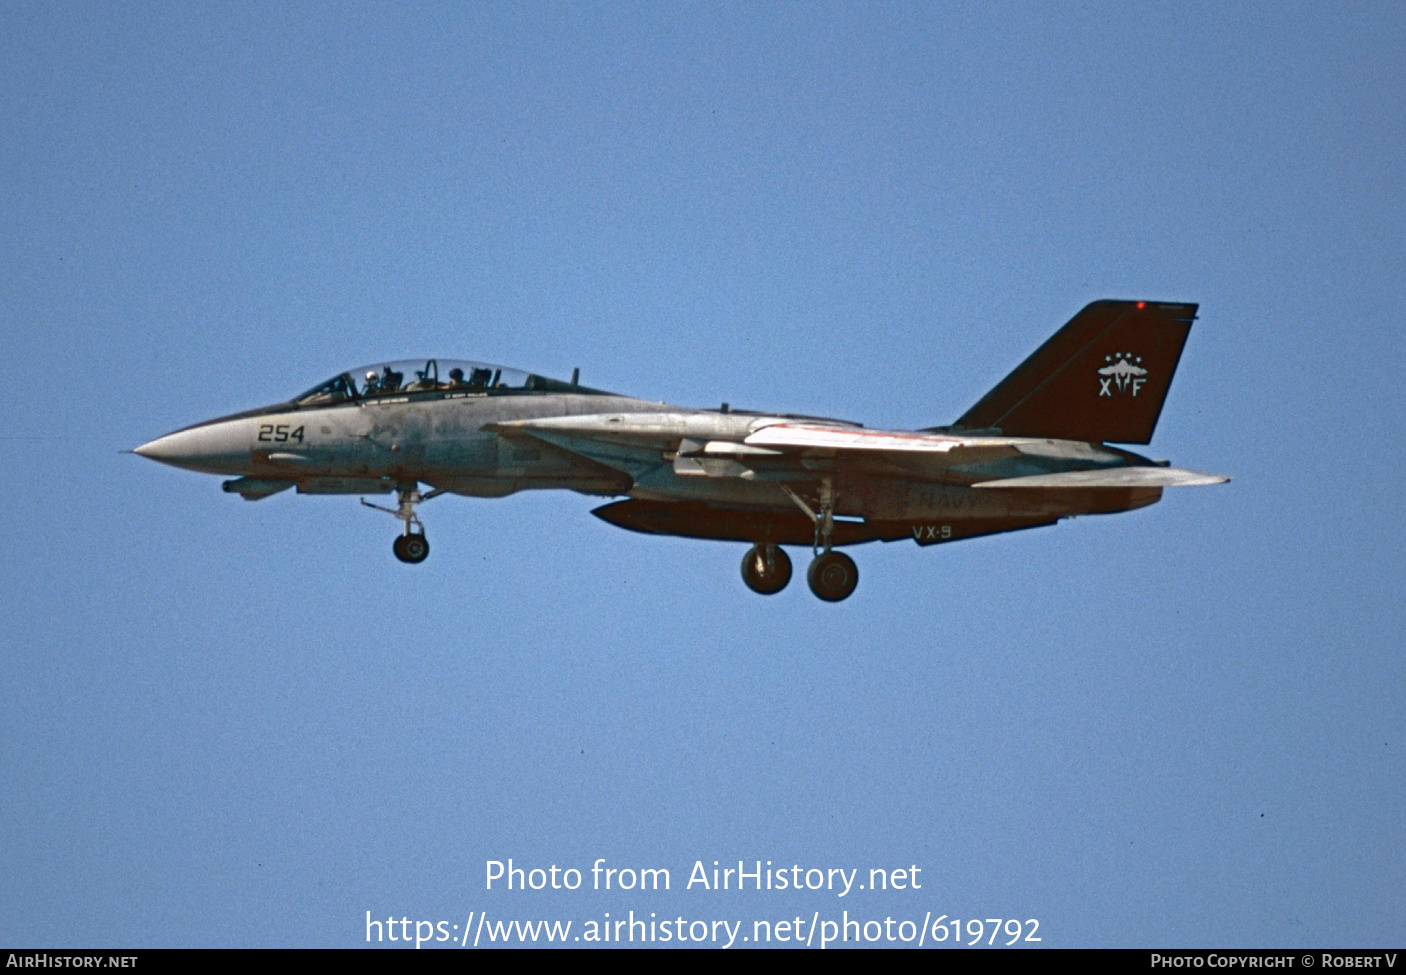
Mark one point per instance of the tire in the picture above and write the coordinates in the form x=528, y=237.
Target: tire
x=757, y=575
x=411, y=548
x=833, y=576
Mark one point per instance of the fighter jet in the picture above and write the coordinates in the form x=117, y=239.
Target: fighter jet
x=1037, y=448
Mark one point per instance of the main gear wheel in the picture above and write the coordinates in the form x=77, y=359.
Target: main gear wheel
x=833, y=576
x=766, y=569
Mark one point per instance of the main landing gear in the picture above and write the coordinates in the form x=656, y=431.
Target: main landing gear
x=832, y=575
x=412, y=546
x=766, y=569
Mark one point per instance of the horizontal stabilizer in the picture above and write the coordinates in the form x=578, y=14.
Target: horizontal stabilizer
x=1111, y=477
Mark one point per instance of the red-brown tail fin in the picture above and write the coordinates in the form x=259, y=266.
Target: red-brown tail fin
x=1102, y=377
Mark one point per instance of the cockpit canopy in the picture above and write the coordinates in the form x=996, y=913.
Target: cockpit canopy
x=409, y=377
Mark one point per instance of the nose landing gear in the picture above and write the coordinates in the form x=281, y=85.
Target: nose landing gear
x=412, y=546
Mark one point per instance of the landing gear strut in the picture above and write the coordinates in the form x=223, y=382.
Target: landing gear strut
x=832, y=575
x=766, y=569
x=412, y=546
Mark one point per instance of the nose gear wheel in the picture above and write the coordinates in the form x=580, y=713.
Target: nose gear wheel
x=412, y=546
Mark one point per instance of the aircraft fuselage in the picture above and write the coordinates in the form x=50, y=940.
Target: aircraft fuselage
x=1032, y=451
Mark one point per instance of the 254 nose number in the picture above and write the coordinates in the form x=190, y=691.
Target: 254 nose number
x=279, y=433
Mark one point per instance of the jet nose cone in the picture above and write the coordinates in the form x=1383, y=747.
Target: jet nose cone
x=151, y=449
x=174, y=448
x=215, y=448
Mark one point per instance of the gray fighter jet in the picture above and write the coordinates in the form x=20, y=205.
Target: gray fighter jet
x=1032, y=451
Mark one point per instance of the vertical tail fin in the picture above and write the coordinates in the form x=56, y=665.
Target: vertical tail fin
x=1102, y=377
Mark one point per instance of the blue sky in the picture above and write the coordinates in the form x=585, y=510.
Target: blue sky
x=225, y=723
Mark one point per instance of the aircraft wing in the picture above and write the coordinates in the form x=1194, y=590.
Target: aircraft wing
x=729, y=445
x=1110, y=477
x=704, y=444
x=796, y=437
